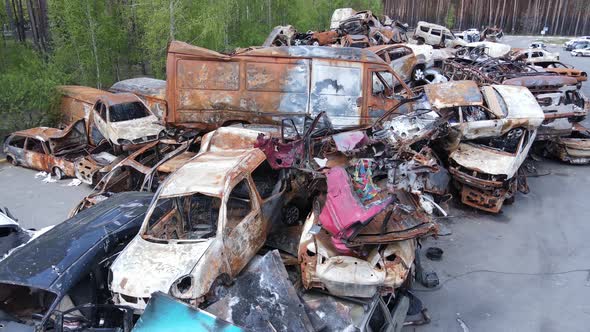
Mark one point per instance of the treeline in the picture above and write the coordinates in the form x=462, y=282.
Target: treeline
x=99, y=42
x=561, y=17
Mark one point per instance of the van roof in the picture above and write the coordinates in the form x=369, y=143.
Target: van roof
x=83, y=93
x=320, y=52
x=143, y=86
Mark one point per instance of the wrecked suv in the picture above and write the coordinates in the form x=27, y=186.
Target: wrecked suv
x=207, y=221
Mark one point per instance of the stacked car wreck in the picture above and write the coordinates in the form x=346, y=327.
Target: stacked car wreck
x=301, y=175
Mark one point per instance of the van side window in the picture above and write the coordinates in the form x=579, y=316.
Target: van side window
x=34, y=145
x=435, y=32
x=17, y=142
x=424, y=29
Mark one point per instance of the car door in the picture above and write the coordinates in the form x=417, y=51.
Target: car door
x=244, y=230
x=100, y=119
x=36, y=154
x=380, y=92
x=402, y=61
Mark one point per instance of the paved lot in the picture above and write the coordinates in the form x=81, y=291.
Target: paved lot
x=35, y=203
x=526, y=269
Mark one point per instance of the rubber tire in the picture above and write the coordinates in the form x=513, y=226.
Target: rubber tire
x=12, y=160
x=58, y=173
x=420, y=40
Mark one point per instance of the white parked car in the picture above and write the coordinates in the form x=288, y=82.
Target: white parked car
x=537, y=45
x=581, y=52
x=571, y=41
x=533, y=55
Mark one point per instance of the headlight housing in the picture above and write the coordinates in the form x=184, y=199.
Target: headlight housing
x=122, y=141
x=182, y=286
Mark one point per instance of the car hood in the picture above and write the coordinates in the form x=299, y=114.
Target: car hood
x=486, y=160
x=145, y=267
x=137, y=128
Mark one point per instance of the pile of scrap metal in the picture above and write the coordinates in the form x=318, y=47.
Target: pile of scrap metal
x=561, y=135
x=348, y=28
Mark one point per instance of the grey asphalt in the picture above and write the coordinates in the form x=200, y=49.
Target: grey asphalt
x=526, y=269
x=35, y=203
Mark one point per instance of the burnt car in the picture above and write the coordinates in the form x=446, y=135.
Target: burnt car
x=124, y=121
x=48, y=149
x=208, y=219
x=140, y=171
x=66, y=267
x=562, y=69
x=491, y=132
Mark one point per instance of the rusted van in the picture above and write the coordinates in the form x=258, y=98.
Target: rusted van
x=206, y=89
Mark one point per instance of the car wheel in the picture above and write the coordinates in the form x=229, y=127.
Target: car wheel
x=12, y=160
x=420, y=40
x=58, y=173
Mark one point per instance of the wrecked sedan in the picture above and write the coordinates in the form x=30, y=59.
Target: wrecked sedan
x=66, y=267
x=124, y=121
x=490, y=135
x=208, y=220
x=48, y=149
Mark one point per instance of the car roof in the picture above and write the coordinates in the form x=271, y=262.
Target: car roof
x=144, y=86
x=209, y=172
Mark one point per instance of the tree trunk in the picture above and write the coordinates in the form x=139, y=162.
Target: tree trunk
x=172, y=23
x=91, y=26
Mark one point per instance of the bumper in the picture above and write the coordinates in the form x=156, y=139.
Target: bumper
x=481, y=194
x=138, y=304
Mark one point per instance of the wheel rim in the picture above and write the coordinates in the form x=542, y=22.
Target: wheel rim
x=419, y=75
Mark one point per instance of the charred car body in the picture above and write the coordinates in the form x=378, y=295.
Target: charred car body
x=150, y=90
x=207, y=89
x=491, y=132
x=208, y=227
x=48, y=149
x=124, y=121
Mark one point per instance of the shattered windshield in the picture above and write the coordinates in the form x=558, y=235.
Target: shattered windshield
x=190, y=217
x=128, y=111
